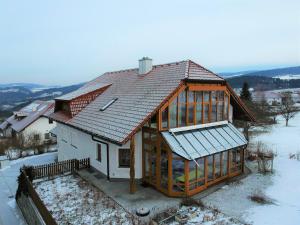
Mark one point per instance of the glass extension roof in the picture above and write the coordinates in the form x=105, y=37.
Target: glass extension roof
x=202, y=140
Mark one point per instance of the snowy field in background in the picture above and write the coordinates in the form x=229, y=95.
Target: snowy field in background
x=283, y=186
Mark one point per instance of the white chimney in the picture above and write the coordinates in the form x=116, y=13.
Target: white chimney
x=145, y=65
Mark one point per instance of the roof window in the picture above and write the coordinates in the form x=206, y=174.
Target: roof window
x=108, y=104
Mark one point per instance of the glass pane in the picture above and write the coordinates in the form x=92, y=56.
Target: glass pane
x=220, y=111
x=213, y=112
x=213, y=96
x=182, y=97
x=226, y=107
x=217, y=165
x=153, y=165
x=191, y=96
x=206, y=96
x=154, y=121
x=173, y=113
x=206, y=113
x=182, y=115
x=224, y=163
x=178, y=175
x=192, y=175
x=210, y=165
x=147, y=166
x=200, y=172
x=199, y=96
x=191, y=114
x=220, y=95
x=164, y=117
x=164, y=168
x=198, y=114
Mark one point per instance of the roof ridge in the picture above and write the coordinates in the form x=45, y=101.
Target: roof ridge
x=202, y=67
x=136, y=68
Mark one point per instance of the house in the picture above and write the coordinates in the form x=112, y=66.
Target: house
x=168, y=125
x=30, y=122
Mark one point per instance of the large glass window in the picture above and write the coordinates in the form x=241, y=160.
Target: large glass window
x=236, y=156
x=191, y=105
x=210, y=167
x=164, y=118
x=164, y=166
x=198, y=96
x=173, y=113
x=178, y=178
x=217, y=158
x=182, y=109
x=195, y=107
x=224, y=163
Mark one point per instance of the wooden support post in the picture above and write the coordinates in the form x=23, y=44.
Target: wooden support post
x=132, y=166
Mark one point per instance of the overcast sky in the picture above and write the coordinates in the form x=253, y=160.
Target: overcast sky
x=66, y=42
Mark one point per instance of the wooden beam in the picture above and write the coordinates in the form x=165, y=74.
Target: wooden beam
x=206, y=88
x=132, y=166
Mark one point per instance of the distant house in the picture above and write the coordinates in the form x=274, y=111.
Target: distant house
x=30, y=122
x=174, y=120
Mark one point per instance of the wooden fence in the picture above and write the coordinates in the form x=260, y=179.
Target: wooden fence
x=46, y=215
x=53, y=169
x=48, y=170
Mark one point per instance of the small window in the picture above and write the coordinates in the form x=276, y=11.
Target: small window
x=124, y=157
x=36, y=137
x=108, y=104
x=99, y=152
x=50, y=121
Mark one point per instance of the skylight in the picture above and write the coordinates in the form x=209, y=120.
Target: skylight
x=108, y=104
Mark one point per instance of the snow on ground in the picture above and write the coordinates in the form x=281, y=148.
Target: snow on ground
x=71, y=200
x=205, y=217
x=10, y=213
x=283, y=186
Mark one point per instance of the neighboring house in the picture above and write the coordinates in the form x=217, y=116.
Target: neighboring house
x=30, y=122
x=173, y=119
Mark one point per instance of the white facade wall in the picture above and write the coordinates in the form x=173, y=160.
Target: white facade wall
x=73, y=143
x=40, y=126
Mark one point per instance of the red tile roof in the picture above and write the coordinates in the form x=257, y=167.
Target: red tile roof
x=138, y=97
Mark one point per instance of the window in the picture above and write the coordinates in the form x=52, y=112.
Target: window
x=199, y=95
x=99, y=152
x=190, y=107
x=47, y=136
x=50, y=121
x=36, y=137
x=124, y=157
x=182, y=109
x=108, y=104
x=173, y=113
x=164, y=118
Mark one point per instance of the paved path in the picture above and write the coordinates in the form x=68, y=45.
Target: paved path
x=10, y=213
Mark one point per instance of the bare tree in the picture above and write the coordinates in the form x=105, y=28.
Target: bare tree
x=288, y=110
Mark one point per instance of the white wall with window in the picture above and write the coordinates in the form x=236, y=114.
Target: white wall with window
x=68, y=137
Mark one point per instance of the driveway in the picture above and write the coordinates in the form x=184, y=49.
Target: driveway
x=10, y=213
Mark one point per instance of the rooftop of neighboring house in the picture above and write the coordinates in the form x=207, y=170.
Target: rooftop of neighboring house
x=28, y=114
x=115, y=105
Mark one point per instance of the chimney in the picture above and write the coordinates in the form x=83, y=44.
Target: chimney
x=145, y=65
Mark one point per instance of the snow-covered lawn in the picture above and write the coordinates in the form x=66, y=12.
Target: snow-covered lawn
x=282, y=187
x=205, y=217
x=72, y=200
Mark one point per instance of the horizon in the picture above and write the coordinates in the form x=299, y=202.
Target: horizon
x=70, y=84
x=69, y=42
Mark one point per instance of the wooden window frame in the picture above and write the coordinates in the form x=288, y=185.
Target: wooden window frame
x=99, y=152
x=120, y=155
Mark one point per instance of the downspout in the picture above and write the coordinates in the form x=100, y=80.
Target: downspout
x=107, y=156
